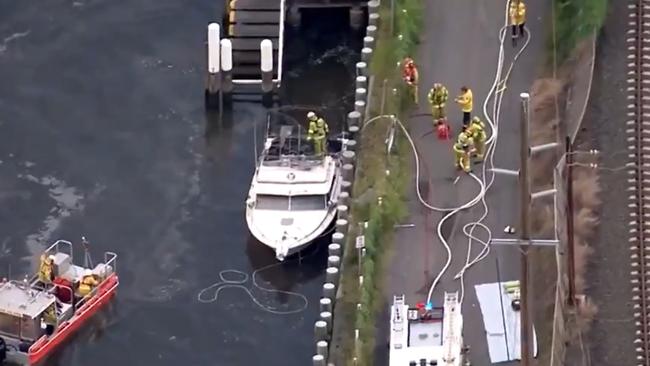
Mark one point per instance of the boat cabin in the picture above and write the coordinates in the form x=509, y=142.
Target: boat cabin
x=22, y=311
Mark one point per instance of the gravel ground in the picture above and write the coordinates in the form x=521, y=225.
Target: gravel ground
x=610, y=340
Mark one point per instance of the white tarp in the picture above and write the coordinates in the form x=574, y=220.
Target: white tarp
x=503, y=344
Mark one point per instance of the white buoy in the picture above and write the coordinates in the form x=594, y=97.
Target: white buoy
x=266, y=65
x=226, y=64
x=213, y=48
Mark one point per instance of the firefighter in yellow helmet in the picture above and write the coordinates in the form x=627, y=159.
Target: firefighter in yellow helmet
x=517, y=12
x=88, y=282
x=462, y=152
x=46, y=269
x=318, y=130
x=438, y=96
x=476, y=132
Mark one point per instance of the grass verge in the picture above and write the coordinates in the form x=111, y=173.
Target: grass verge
x=378, y=196
x=574, y=21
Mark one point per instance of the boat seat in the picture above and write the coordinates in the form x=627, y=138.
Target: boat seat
x=102, y=270
x=73, y=274
x=62, y=263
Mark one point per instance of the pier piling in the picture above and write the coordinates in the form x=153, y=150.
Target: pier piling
x=348, y=171
x=334, y=261
x=320, y=330
x=332, y=275
x=266, y=65
x=338, y=238
x=325, y=304
x=342, y=226
x=318, y=360
x=361, y=82
x=362, y=68
x=329, y=291
x=321, y=348
x=334, y=249
x=226, y=65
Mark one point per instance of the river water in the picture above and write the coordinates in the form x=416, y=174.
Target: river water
x=103, y=133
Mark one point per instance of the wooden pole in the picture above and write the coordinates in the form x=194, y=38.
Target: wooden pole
x=569, y=223
x=524, y=185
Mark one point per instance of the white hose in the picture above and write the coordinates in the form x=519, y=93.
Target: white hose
x=494, y=124
x=497, y=89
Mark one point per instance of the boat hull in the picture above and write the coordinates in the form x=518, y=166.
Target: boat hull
x=295, y=246
x=46, y=346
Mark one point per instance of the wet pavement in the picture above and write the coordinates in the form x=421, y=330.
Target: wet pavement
x=420, y=254
x=103, y=133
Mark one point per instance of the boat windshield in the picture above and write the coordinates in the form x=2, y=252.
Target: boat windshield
x=294, y=203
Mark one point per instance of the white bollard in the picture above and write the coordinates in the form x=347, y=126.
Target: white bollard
x=266, y=65
x=318, y=360
x=334, y=261
x=226, y=64
x=360, y=94
x=334, y=249
x=214, y=77
x=342, y=226
x=329, y=291
x=338, y=238
x=373, y=19
x=354, y=118
x=353, y=130
x=347, y=171
x=369, y=42
x=332, y=275
x=342, y=211
x=348, y=157
x=362, y=68
x=361, y=82
x=320, y=330
x=344, y=199
x=321, y=348
x=352, y=144
x=360, y=106
x=326, y=316
x=325, y=304
x=371, y=31
x=366, y=54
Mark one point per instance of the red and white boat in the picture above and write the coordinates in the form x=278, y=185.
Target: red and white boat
x=36, y=318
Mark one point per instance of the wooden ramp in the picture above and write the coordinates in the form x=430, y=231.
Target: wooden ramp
x=248, y=23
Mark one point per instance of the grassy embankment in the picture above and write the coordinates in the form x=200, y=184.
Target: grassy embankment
x=373, y=182
x=575, y=22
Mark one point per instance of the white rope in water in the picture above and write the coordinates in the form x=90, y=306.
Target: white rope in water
x=225, y=283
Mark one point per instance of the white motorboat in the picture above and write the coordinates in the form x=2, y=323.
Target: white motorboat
x=293, y=194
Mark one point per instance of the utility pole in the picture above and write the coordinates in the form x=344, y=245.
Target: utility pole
x=524, y=209
x=525, y=241
x=569, y=222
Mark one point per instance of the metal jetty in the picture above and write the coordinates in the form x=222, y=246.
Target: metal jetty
x=249, y=22
x=246, y=52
